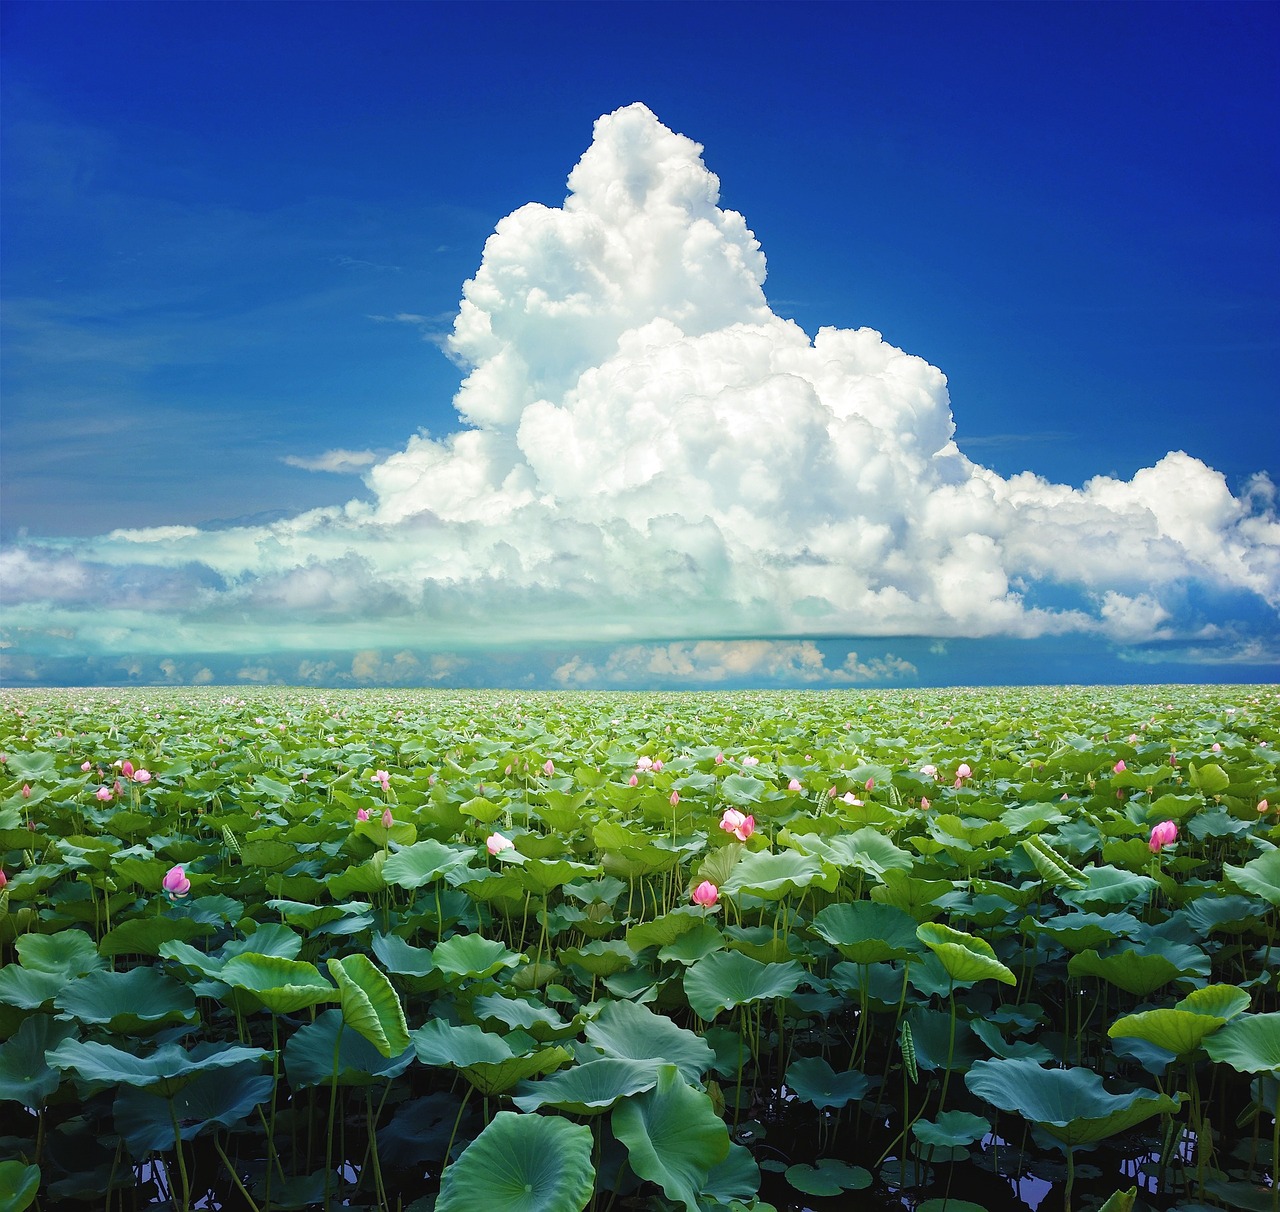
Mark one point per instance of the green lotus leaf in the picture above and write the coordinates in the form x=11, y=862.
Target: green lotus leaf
x=543, y=875
x=829, y=1177
x=634, y=1032
x=673, y=1136
x=692, y=946
x=743, y=790
x=773, y=876
x=1109, y=885
x=1053, y=868
x=815, y=1081
x=521, y=1163
x=1136, y=972
x=868, y=850
x=1224, y=1001
x=1071, y=1105
x=1078, y=931
x=1177, y=1031
x=423, y=862
x=1249, y=1044
x=146, y=935
x=369, y=1004
x=214, y=1099
x=591, y=1088
x=540, y=1021
x=472, y=956
x=402, y=958
x=20, y=1184
x=310, y=1053
x=663, y=931
x=268, y=853
x=866, y=932
x=964, y=956
x=25, y=1076
x=951, y=1204
x=164, y=1071
x=283, y=986
x=29, y=990
x=68, y=953
x=990, y=1035
x=951, y=1130
x=138, y=1002
x=1260, y=876
x=438, y=1042
x=1121, y=1201
x=602, y=958
x=1209, y=778
x=737, y=1178
x=726, y=979
x=918, y=897
x=497, y=1077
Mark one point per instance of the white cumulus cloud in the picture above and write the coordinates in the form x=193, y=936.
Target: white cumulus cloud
x=646, y=451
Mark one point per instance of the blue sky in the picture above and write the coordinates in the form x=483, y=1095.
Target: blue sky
x=234, y=246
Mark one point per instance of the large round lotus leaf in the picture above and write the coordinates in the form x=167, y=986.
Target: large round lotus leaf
x=472, y=956
x=773, y=876
x=1070, y=1104
x=1222, y=1001
x=866, y=932
x=589, y=1089
x=438, y=1042
x=164, y=1071
x=283, y=986
x=273, y=938
x=829, y=1177
x=728, y=978
x=1177, y=1031
x=1107, y=885
x=540, y=1021
x=673, y=1136
x=542, y=875
x=20, y=1184
x=815, y=1081
x=964, y=956
x=422, y=862
x=1077, y=931
x=29, y=990
x=497, y=1077
x=1260, y=876
x=1249, y=1044
x=309, y=1055
x=522, y=1163
x=218, y=1099
x=25, y=1077
x=138, y=1002
x=663, y=931
x=634, y=1032
x=1133, y=971
x=146, y=935
x=369, y=1004
x=602, y=958
x=918, y=897
x=952, y=1129
x=697, y=944
x=68, y=953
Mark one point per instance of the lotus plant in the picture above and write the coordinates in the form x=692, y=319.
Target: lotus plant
x=734, y=822
x=706, y=894
x=496, y=843
x=175, y=883
x=1162, y=835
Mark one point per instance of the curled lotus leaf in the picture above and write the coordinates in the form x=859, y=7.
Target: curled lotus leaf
x=1249, y=1044
x=965, y=956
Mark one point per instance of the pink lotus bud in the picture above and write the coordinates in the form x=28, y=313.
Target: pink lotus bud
x=496, y=843
x=86, y=767
x=675, y=798
x=142, y=776
x=657, y=765
x=963, y=771
x=175, y=883
x=719, y=759
x=103, y=793
x=733, y=821
x=126, y=768
x=1164, y=834
x=706, y=894
x=1133, y=737
x=362, y=814
x=632, y=781
x=924, y=804
x=4, y=879
x=1120, y=767
x=26, y=791
x=431, y=780
x=1216, y=747
x=387, y=819
x=794, y=785
x=1262, y=805
x=831, y=793
x=548, y=768
x=870, y=784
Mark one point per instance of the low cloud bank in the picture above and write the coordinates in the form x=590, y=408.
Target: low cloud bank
x=647, y=451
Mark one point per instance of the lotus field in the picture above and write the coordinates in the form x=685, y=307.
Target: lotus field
x=489, y=952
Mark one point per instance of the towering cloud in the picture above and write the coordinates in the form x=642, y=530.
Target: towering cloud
x=648, y=452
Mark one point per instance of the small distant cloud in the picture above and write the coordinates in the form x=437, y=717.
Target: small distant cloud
x=344, y=462
x=358, y=263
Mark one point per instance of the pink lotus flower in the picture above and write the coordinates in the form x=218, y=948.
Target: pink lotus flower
x=548, y=768
x=963, y=772
x=1120, y=767
x=706, y=894
x=387, y=819
x=749, y=760
x=142, y=776
x=851, y=799
x=126, y=768
x=175, y=883
x=1164, y=834
x=362, y=814
x=86, y=767
x=381, y=776
x=103, y=794
x=1133, y=737
x=929, y=770
x=1216, y=747
x=794, y=785
x=675, y=798
x=495, y=843
x=733, y=821
x=643, y=763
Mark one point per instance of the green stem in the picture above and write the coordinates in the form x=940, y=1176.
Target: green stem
x=182, y=1161
x=235, y=1178
x=333, y=1104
